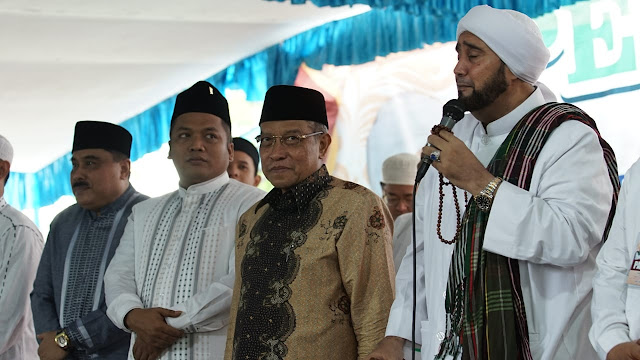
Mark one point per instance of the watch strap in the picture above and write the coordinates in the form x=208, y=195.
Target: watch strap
x=492, y=186
x=484, y=199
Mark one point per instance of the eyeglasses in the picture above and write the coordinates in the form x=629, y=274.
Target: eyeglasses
x=286, y=140
x=393, y=201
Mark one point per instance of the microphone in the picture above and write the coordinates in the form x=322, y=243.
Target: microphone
x=452, y=112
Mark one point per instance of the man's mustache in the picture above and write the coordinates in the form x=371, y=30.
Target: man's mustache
x=80, y=183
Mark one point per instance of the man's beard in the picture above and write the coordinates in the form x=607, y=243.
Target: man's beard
x=480, y=99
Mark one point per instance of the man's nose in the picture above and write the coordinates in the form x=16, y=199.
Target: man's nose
x=197, y=144
x=277, y=150
x=402, y=206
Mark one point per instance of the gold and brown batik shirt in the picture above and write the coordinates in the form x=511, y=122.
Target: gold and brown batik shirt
x=314, y=273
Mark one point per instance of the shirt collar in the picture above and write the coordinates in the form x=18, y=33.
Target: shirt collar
x=3, y=202
x=298, y=196
x=206, y=186
x=504, y=124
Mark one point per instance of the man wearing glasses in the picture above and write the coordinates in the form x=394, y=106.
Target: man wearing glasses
x=313, y=258
x=398, y=177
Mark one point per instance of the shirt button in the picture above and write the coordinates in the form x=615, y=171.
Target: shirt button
x=486, y=140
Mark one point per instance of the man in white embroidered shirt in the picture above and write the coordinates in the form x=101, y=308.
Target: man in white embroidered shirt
x=506, y=275
x=171, y=278
x=20, y=250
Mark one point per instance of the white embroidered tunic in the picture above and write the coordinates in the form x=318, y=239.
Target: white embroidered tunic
x=177, y=252
x=20, y=249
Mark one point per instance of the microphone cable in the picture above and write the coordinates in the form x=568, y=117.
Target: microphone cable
x=415, y=296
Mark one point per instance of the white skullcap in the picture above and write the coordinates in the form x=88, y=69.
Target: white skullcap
x=512, y=35
x=6, y=150
x=400, y=169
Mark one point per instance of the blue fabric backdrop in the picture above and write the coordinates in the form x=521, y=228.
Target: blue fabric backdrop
x=391, y=26
x=532, y=8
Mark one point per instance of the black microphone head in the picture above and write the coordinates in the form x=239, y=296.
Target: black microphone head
x=454, y=109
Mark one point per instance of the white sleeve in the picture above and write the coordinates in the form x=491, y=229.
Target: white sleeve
x=209, y=309
x=22, y=248
x=610, y=326
x=401, y=314
x=402, y=238
x=564, y=212
x=119, y=280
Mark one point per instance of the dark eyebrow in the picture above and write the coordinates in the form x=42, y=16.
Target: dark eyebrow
x=87, y=157
x=468, y=44
x=473, y=46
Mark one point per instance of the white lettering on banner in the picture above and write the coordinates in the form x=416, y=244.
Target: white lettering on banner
x=606, y=54
x=594, y=46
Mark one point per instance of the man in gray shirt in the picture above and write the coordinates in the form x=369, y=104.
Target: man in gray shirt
x=68, y=294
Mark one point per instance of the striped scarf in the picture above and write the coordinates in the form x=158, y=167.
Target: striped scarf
x=485, y=310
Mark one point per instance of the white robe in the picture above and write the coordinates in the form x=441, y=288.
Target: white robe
x=20, y=249
x=554, y=230
x=177, y=252
x=615, y=311
x=402, y=236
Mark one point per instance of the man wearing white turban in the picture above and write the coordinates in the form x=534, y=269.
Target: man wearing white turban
x=509, y=275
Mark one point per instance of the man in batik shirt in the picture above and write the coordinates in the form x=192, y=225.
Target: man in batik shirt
x=313, y=258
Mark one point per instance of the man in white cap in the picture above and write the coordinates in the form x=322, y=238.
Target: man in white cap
x=508, y=276
x=20, y=249
x=615, y=333
x=398, y=178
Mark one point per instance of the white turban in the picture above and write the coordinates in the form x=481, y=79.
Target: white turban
x=6, y=150
x=512, y=35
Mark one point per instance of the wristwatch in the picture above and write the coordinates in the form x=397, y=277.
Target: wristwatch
x=62, y=340
x=485, y=198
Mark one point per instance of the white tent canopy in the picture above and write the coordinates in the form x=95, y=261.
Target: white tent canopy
x=69, y=60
